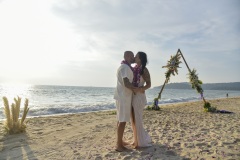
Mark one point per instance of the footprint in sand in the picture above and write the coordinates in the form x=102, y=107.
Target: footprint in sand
x=38, y=129
x=201, y=144
x=190, y=145
x=127, y=157
x=178, y=144
x=109, y=155
x=237, y=140
x=171, y=153
x=229, y=142
x=84, y=137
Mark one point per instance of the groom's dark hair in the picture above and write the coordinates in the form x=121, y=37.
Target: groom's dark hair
x=144, y=61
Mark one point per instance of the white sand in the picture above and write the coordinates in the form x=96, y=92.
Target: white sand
x=178, y=131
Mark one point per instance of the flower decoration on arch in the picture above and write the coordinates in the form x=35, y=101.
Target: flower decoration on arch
x=172, y=66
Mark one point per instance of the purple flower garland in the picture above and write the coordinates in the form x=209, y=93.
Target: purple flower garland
x=136, y=72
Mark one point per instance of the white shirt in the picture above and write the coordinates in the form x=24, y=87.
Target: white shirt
x=121, y=92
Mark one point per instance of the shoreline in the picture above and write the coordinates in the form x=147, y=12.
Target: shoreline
x=108, y=110
x=178, y=131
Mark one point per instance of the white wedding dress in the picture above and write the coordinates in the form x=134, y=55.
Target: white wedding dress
x=139, y=101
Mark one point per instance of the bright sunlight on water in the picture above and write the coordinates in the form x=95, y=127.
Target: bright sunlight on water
x=13, y=90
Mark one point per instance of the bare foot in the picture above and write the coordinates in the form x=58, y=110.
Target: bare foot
x=134, y=144
x=125, y=143
x=120, y=148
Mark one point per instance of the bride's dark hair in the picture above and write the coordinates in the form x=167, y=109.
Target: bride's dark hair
x=144, y=61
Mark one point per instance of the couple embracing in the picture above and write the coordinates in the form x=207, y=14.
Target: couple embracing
x=131, y=99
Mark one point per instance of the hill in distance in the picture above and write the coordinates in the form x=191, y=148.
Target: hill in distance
x=207, y=86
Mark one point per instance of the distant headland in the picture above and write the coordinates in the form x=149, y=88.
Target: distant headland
x=206, y=86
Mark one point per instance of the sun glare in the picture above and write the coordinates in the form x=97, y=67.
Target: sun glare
x=12, y=90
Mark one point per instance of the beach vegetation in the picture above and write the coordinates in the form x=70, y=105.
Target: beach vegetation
x=209, y=108
x=13, y=123
x=149, y=108
x=154, y=105
x=113, y=113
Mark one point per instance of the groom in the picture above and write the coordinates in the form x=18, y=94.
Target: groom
x=123, y=96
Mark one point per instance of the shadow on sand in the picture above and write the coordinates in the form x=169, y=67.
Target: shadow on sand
x=16, y=146
x=156, y=151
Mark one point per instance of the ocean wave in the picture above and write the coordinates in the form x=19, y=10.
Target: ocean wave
x=175, y=100
x=52, y=109
x=64, y=108
x=48, y=100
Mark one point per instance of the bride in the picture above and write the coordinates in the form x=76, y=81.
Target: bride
x=141, y=76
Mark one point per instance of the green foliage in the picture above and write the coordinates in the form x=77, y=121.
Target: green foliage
x=113, y=113
x=172, y=69
x=194, y=81
x=149, y=107
x=172, y=66
x=154, y=105
x=209, y=108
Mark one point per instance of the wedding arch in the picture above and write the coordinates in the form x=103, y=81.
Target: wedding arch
x=172, y=69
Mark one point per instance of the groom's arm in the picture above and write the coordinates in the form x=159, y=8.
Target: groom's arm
x=128, y=84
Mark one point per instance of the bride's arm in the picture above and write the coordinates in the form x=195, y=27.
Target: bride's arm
x=147, y=78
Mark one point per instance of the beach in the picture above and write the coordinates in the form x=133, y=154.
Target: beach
x=178, y=131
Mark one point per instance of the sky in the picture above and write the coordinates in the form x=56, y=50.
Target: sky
x=81, y=42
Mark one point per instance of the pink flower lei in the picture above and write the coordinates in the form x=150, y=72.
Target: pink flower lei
x=136, y=72
x=125, y=62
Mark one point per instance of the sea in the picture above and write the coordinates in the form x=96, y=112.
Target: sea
x=45, y=100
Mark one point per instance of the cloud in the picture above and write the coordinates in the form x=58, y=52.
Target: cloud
x=202, y=31
x=161, y=22
x=75, y=38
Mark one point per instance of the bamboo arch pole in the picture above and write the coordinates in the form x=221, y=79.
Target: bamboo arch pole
x=155, y=106
x=179, y=51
